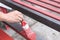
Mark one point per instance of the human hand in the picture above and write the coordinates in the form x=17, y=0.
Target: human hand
x=13, y=17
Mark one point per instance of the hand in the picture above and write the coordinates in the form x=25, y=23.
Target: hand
x=13, y=17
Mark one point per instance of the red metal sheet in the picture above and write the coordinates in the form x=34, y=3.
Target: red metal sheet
x=57, y=1
x=4, y=36
x=51, y=2
x=37, y=9
x=45, y=6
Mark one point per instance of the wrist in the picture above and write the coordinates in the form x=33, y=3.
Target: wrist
x=1, y=16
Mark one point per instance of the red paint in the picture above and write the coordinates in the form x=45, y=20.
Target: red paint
x=47, y=6
x=57, y=1
x=27, y=32
x=52, y=2
x=38, y=10
x=4, y=36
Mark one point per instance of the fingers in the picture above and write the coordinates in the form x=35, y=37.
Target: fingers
x=14, y=16
x=20, y=19
x=20, y=15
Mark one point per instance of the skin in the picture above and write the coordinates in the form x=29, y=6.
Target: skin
x=11, y=17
